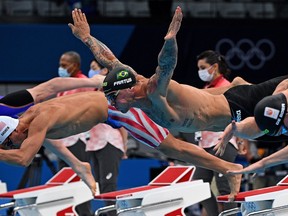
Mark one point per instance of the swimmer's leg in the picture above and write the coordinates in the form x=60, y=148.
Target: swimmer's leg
x=197, y=156
x=82, y=169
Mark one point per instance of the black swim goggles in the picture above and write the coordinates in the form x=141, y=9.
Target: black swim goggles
x=111, y=96
x=8, y=144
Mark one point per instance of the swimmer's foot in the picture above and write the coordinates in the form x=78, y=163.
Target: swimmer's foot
x=83, y=170
x=234, y=181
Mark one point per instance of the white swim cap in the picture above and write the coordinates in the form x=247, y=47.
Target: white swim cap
x=7, y=126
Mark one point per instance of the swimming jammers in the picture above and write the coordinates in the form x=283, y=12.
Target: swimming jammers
x=139, y=125
x=242, y=99
x=16, y=103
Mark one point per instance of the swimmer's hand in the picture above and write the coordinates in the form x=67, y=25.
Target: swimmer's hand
x=223, y=140
x=175, y=24
x=80, y=29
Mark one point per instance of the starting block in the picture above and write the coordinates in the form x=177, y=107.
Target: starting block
x=59, y=196
x=166, y=195
x=265, y=201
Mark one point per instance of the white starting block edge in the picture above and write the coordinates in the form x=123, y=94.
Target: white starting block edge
x=268, y=193
x=170, y=176
x=170, y=192
x=263, y=201
x=3, y=187
x=54, y=199
x=62, y=193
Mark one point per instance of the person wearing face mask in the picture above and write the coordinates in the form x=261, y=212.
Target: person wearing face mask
x=70, y=66
x=106, y=147
x=96, y=68
x=214, y=71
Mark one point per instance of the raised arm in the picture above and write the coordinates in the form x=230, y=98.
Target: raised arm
x=49, y=89
x=101, y=52
x=246, y=129
x=167, y=58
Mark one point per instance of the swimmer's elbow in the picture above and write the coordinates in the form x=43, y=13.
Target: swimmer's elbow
x=105, y=116
x=54, y=85
x=23, y=160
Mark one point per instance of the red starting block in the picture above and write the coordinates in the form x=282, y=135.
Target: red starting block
x=59, y=196
x=267, y=200
x=167, y=195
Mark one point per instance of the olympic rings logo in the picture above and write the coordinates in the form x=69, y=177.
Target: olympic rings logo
x=246, y=52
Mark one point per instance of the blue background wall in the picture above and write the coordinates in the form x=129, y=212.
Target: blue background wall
x=30, y=52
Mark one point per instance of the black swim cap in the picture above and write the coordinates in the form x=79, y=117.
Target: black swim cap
x=270, y=112
x=118, y=79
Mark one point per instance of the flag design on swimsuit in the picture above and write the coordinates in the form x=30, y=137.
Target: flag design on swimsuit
x=139, y=125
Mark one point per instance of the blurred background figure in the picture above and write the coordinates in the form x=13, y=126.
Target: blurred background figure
x=270, y=176
x=106, y=147
x=70, y=66
x=214, y=71
x=96, y=68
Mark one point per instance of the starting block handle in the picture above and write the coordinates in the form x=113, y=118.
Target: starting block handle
x=176, y=200
x=230, y=212
x=18, y=208
x=7, y=205
x=267, y=211
x=105, y=209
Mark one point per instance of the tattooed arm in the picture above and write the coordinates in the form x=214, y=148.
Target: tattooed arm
x=167, y=58
x=102, y=53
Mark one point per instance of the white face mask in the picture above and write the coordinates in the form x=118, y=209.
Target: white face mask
x=204, y=75
x=62, y=72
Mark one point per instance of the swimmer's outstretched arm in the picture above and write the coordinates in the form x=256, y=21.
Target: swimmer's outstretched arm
x=246, y=129
x=277, y=158
x=167, y=58
x=49, y=89
x=30, y=146
x=17, y=102
x=101, y=52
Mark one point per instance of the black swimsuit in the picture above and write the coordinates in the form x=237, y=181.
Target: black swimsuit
x=243, y=99
x=16, y=103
